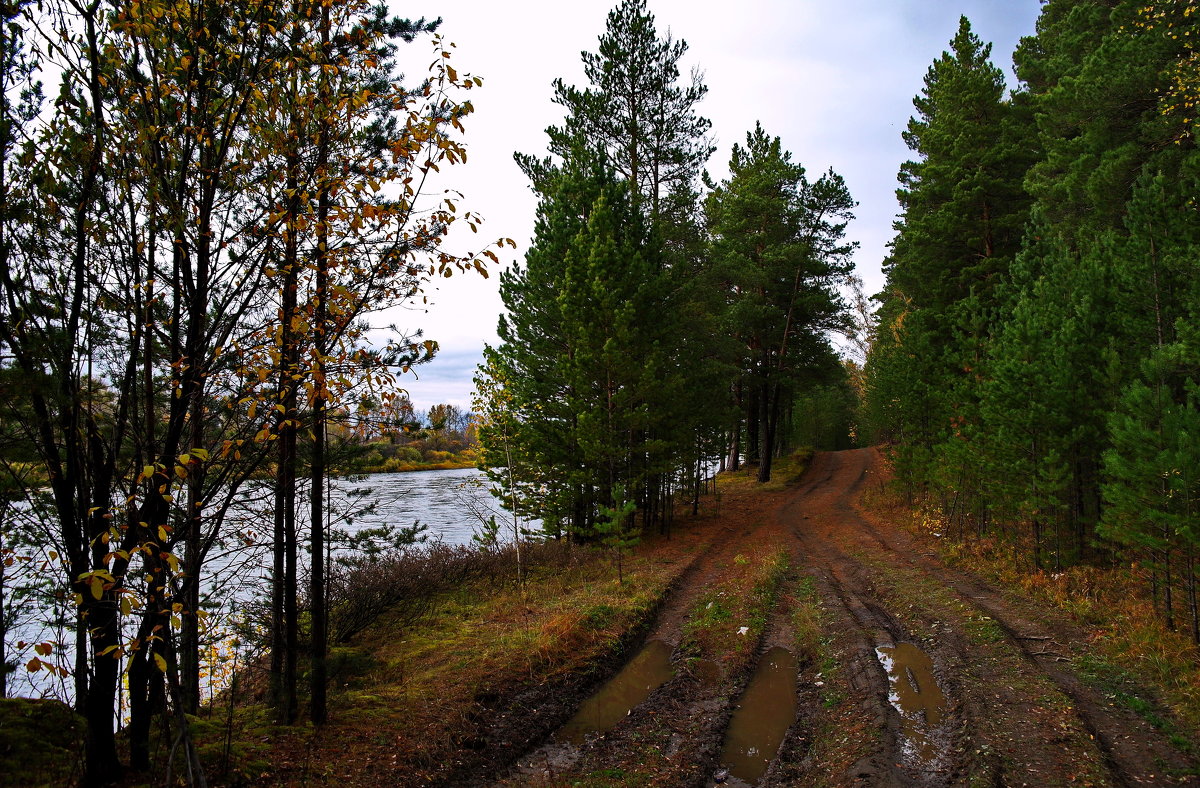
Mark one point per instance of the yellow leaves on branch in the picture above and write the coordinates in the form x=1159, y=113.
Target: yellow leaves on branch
x=97, y=582
x=44, y=651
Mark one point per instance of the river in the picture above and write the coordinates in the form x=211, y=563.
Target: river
x=449, y=503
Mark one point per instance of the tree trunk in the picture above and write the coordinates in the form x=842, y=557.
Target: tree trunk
x=318, y=712
x=753, y=425
x=283, y=586
x=769, y=420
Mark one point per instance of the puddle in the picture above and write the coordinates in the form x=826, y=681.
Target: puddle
x=640, y=676
x=707, y=672
x=763, y=715
x=914, y=693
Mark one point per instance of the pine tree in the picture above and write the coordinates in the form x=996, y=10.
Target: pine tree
x=634, y=115
x=1097, y=79
x=634, y=126
x=963, y=214
x=581, y=370
x=778, y=245
x=1150, y=483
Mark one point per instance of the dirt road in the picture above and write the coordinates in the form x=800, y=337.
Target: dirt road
x=923, y=676
x=1018, y=712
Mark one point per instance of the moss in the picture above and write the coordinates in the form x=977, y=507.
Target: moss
x=41, y=743
x=349, y=666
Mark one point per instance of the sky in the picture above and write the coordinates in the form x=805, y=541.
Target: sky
x=834, y=80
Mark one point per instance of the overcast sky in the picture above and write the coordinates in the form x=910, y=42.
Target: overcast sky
x=834, y=79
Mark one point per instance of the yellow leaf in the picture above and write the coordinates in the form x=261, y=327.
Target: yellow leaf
x=97, y=587
x=126, y=606
x=162, y=663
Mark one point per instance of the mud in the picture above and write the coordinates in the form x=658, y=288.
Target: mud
x=914, y=693
x=973, y=688
x=641, y=675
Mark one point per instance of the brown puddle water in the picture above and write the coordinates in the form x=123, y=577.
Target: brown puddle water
x=766, y=710
x=707, y=672
x=914, y=693
x=640, y=676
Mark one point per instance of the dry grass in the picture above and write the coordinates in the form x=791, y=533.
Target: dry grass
x=408, y=700
x=427, y=681
x=405, y=699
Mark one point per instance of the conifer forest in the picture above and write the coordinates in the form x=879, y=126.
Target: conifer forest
x=952, y=512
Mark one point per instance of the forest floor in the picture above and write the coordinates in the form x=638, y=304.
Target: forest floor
x=900, y=669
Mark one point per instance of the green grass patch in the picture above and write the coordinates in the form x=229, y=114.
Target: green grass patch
x=726, y=622
x=1120, y=686
x=785, y=471
x=808, y=622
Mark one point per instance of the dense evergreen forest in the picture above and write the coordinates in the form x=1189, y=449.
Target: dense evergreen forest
x=1035, y=364
x=196, y=229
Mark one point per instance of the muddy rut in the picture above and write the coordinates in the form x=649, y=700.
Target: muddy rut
x=929, y=676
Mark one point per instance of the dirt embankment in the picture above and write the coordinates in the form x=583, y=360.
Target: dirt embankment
x=982, y=689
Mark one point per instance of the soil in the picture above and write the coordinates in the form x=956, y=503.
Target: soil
x=1017, y=710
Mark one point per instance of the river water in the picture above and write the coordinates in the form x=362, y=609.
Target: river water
x=451, y=504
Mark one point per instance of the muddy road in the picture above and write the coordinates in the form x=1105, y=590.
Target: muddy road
x=914, y=674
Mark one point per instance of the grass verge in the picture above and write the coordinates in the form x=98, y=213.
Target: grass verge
x=410, y=700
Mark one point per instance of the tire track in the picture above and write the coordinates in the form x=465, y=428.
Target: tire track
x=1133, y=751
x=540, y=765
x=838, y=578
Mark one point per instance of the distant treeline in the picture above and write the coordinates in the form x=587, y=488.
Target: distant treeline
x=443, y=438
